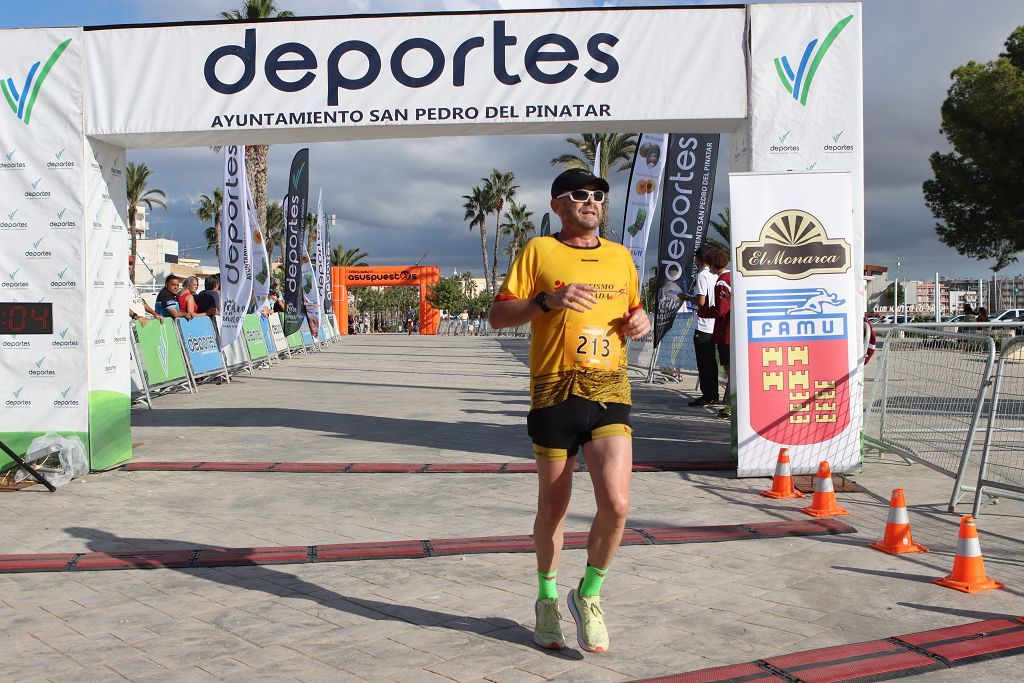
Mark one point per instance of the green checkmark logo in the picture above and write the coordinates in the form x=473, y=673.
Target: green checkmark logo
x=35, y=185
x=60, y=153
x=835, y=138
x=15, y=273
x=64, y=394
x=10, y=216
x=11, y=154
x=811, y=167
x=60, y=214
x=39, y=363
x=35, y=245
x=64, y=332
x=782, y=139
x=18, y=392
x=60, y=273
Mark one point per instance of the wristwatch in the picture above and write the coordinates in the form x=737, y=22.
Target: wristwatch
x=540, y=299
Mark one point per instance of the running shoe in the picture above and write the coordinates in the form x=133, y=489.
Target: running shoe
x=548, y=629
x=724, y=414
x=590, y=629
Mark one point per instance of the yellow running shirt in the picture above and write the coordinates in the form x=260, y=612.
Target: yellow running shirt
x=571, y=353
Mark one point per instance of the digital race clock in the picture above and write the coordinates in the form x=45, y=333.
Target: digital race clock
x=25, y=318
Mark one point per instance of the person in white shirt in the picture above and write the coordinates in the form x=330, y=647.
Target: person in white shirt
x=703, y=337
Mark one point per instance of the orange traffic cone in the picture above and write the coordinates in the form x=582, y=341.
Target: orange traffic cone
x=782, y=484
x=968, y=567
x=897, y=540
x=823, y=504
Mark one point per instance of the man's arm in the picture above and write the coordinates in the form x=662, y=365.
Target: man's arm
x=514, y=312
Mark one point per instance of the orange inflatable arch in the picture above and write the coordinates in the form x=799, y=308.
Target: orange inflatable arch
x=386, y=276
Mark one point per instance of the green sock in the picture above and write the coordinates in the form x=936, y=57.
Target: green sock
x=548, y=588
x=592, y=580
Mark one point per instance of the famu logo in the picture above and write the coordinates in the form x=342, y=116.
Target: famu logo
x=22, y=102
x=59, y=161
x=18, y=400
x=13, y=282
x=63, y=341
x=37, y=251
x=12, y=222
x=64, y=401
x=7, y=162
x=37, y=191
x=793, y=245
x=798, y=83
x=62, y=281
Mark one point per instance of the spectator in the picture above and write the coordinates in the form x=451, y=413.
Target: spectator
x=138, y=308
x=869, y=339
x=409, y=315
x=969, y=315
x=167, y=299
x=269, y=307
x=703, y=338
x=719, y=312
x=208, y=300
x=982, y=315
x=187, y=297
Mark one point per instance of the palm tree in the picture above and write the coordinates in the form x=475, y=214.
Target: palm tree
x=499, y=189
x=138, y=193
x=209, y=210
x=723, y=226
x=350, y=257
x=518, y=227
x=311, y=233
x=275, y=228
x=615, y=148
x=256, y=155
x=477, y=206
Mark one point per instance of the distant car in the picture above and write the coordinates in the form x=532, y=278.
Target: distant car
x=1007, y=314
x=954, y=319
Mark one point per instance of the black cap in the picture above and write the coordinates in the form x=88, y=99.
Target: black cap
x=576, y=179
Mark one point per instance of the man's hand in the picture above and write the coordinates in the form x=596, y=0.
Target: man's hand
x=159, y=318
x=142, y=320
x=636, y=324
x=573, y=297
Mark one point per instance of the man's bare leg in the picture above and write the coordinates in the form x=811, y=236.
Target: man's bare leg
x=554, y=489
x=610, y=463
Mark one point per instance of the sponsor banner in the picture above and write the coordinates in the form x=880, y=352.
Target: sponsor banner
x=305, y=334
x=371, y=76
x=644, y=188
x=260, y=260
x=806, y=96
x=200, y=343
x=382, y=275
x=685, y=213
x=235, y=353
x=236, y=276
x=110, y=296
x=295, y=240
x=268, y=335
x=44, y=378
x=311, y=294
x=276, y=322
x=254, y=340
x=795, y=328
x=160, y=351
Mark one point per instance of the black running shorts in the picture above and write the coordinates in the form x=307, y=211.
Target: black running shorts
x=558, y=431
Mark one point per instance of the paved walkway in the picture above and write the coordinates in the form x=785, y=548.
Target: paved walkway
x=387, y=398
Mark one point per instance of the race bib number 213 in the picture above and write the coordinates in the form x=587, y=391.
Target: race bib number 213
x=588, y=346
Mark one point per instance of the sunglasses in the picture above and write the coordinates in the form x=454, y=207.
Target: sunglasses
x=580, y=196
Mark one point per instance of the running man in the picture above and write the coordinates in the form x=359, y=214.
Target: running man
x=581, y=296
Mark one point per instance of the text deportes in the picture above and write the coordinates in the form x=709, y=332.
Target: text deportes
x=550, y=47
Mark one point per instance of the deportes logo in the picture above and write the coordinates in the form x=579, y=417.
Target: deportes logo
x=798, y=83
x=22, y=101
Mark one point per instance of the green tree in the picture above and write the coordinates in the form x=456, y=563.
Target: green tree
x=886, y=297
x=477, y=206
x=479, y=305
x=977, y=189
x=519, y=227
x=723, y=226
x=447, y=294
x=256, y=155
x=500, y=188
x=275, y=228
x=616, y=148
x=350, y=257
x=209, y=211
x=139, y=192
x=312, y=228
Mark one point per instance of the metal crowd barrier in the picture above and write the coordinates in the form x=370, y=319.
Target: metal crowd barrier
x=1002, y=460
x=928, y=398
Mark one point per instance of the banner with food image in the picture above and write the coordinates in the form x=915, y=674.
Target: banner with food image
x=260, y=260
x=644, y=185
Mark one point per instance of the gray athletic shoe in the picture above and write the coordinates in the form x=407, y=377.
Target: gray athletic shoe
x=548, y=630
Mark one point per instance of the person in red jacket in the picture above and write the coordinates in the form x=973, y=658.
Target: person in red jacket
x=718, y=260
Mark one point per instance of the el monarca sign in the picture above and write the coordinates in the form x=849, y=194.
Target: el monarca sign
x=793, y=245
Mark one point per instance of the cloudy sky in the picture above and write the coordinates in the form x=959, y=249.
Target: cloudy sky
x=410, y=208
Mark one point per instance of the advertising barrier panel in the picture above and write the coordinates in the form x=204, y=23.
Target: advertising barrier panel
x=307, y=338
x=794, y=327
x=200, y=343
x=268, y=334
x=254, y=340
x=236, y=355
x=160, y=349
